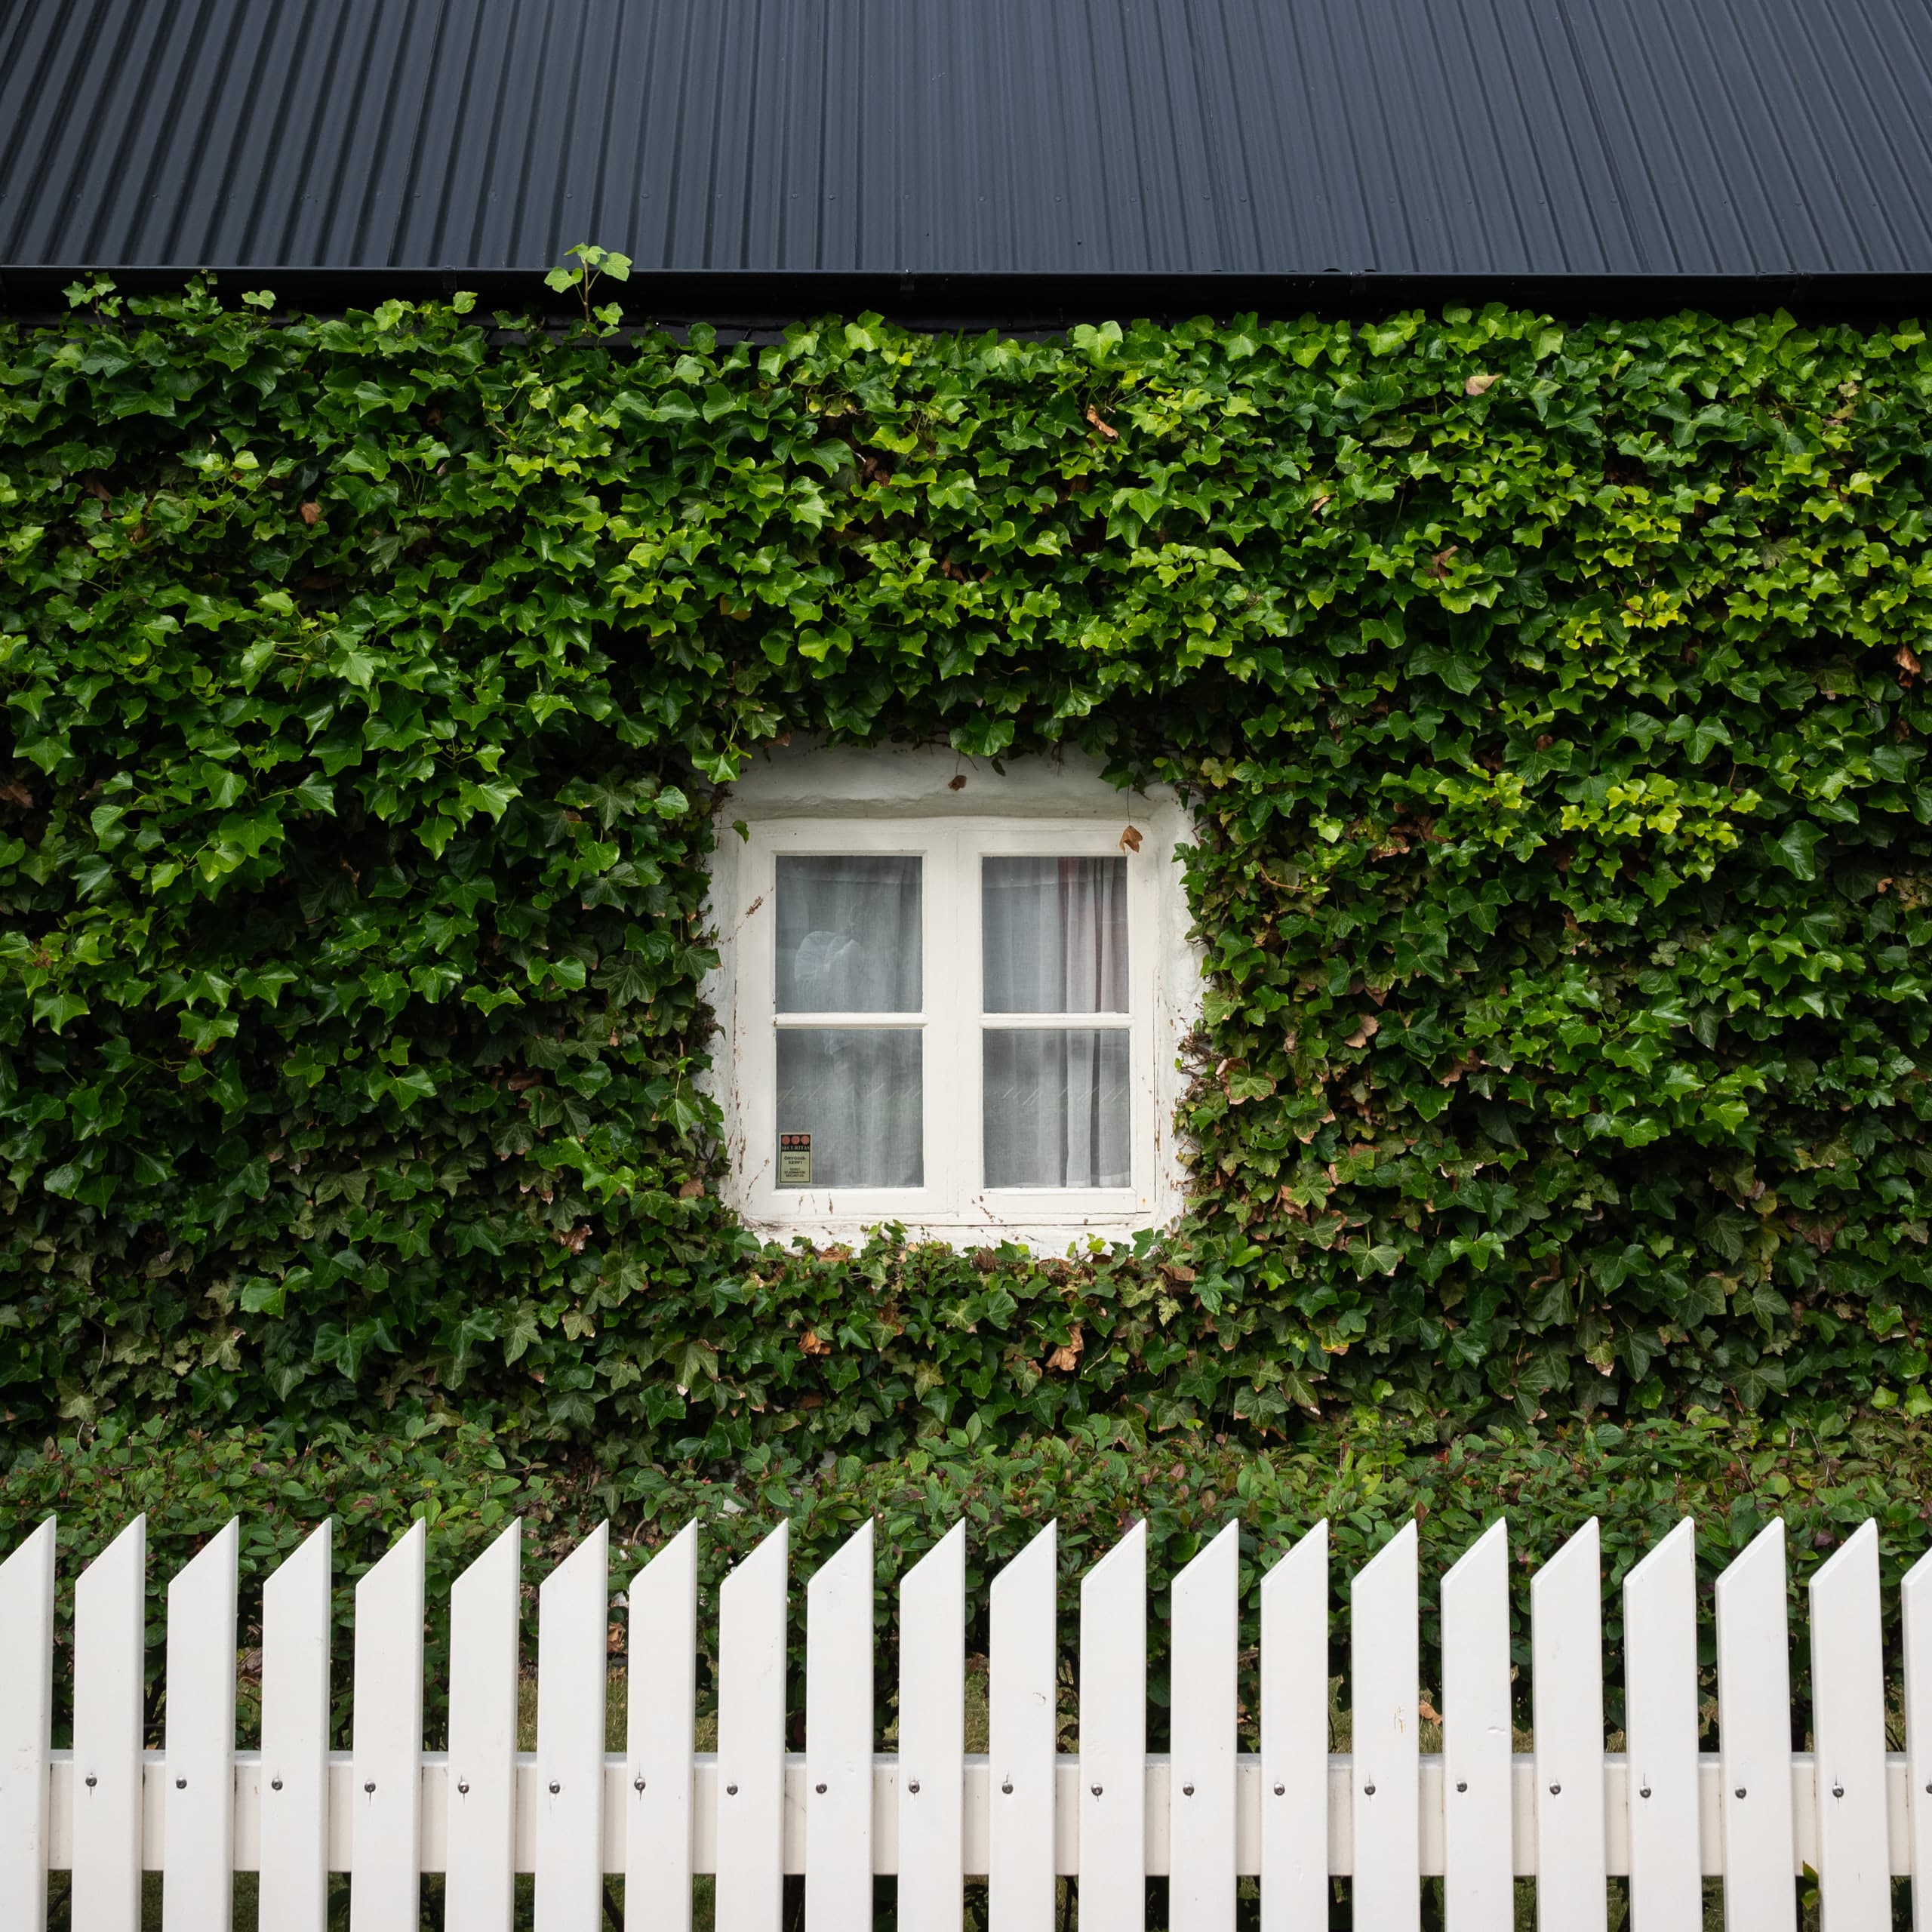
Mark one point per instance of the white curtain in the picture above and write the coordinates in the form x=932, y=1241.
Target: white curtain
x=1057, y=1100
x=848, y=938
x=858, y=1092
x=1054, y=935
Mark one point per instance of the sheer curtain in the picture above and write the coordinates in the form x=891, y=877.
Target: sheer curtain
x=848, y=941
x=1057, y=1100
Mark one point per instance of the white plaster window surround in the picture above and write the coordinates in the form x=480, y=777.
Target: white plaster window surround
x=910, y=847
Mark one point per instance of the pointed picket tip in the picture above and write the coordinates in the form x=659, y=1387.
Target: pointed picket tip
x=1398, y=1550
x=1919, y=1576
x=1042, y=1547
x=1309, y=1549
x=1584, y=1550
x=1215, y=1546
x=775, y=1551
x=676, y=1547
x=592, y=1553
x=1494, y=1542
x=405, y=1553
x=1764, y=1551
x=1662, y=1554
x=1859, y=1549
x=217, y=1553
x=951, y=1548
x=37, y=1546
x=854, y=1553
x=502, y=1551
x=130, y=1546
x=1131, y=1549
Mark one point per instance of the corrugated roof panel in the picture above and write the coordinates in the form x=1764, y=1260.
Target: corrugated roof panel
x=1293, y=138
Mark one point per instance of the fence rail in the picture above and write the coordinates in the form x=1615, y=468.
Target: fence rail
x=1477, y=1814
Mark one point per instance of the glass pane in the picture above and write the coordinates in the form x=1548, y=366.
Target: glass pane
x=857, y=1093
x=848, y=935
x=1054, y=935
x=1057, y=1108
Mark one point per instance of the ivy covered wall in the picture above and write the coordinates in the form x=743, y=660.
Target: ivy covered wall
x=1550, y=697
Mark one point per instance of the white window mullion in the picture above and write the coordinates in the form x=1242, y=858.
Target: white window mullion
x=952, y=1102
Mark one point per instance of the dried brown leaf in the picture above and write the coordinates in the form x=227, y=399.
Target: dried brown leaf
x=1129, y=839
x=311, y=514
x=1107, y=429
x=1480, y=384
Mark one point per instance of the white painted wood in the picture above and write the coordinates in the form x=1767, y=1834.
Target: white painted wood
x=661, y=1722
x=385, y=1749
x=1660, y=1736
x=572, y=1666
x=1384, y=1663
x=1022, y=1740
x=1848, y=1725
x=1293, y=1860
x=197, y=1894
x=1754, y=1732
x=485, y=1630
x=1201, y=1836
x=294, y=1787
x=932, y=1738
x=109, y=1654
x=1479, y=1886
x=838, y=1738
x=1916, y=1617
x=1566, y=1690
x=751, y=1740
x=1113, y=1736
x=26, y=1718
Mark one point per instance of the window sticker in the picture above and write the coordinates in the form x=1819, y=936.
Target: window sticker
x=795, y=1160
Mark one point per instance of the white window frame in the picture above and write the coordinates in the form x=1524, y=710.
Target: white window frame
x=833, y=801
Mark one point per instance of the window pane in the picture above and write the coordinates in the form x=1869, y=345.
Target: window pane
x=858, y=1092
x=1057, y=1108
x=848, y=935
x=1054, y=935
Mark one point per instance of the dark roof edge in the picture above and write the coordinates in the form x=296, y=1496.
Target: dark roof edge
x=761, y=301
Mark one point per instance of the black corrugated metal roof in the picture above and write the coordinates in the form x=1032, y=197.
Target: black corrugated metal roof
x=790, y=147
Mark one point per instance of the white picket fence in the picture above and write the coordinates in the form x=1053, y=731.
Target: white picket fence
x=1478, y=1814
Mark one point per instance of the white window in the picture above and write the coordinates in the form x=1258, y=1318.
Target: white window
x=951, y=997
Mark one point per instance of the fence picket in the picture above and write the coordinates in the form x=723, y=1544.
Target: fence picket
x=1915, y=1618
x=1294, y=1737
x=292, y=1790
x=1479, y=1885
x=480, y=1835
x=748, y=1817
x=1022, y=1740
x=932, y=1738
x=573, y=1669
x=109, y=1652
x=386, y=1746
x=1848, y=1719
x=660, y=1724
x=1113, y=1736
x=26, y=1718
x=838, y=1738
x=1385, y=1787
x=1754, y=1721
x=1201, y=1789
x=1660, y=1736
x=1565, y=1687
x=751, y=1740
x=198, y=1894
